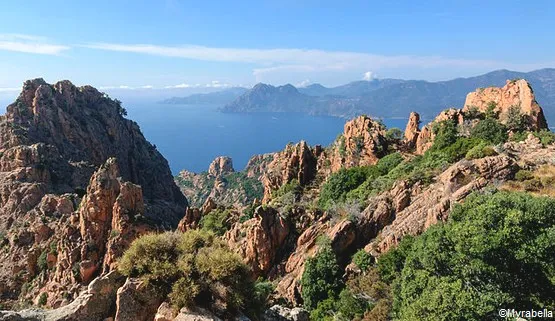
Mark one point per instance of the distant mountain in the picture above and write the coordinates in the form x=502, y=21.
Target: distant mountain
x=216, y=98
x=263, y=97
x=388, y=97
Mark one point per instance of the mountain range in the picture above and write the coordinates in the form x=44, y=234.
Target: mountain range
x=386, y=98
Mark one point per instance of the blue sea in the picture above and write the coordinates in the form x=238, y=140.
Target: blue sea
x=191, y=136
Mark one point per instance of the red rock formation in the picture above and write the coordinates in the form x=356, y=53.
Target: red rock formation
x=259, y=240
x=362, y=143
x=295, y=162
x=220, y=166
x=515, y=93
x=412, y=130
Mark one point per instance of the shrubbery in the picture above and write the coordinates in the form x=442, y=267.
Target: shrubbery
x=495, y=251
x=192, y=268
x=490, y=130
x=217, y=221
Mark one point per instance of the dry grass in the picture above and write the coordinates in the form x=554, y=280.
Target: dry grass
x=542, y=182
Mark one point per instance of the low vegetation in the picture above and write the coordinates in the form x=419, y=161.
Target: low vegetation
x=495, y=251
x=194, y=269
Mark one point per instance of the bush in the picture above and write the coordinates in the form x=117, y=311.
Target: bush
x=445, y=134
x=363, y=260
x=546, y=136
x=340, y=183
x=523, y=175
x=394, y=134
x=42, y=264
x=43, y=298
x=293, y=187
x=516, y=121
x=321, y=277
x=192, y=268
x=216, y=221
x=490, y=130
x=495, y=250
x=479, y=151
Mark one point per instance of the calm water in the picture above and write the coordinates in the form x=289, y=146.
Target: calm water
x=191, y=136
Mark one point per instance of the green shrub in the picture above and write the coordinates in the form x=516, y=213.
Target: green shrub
x=394, y=134
x=445, y=134
x=43, y=298
x=516, y=121
x=340, y=183
x=42, y=263
x=494, y=251
x=293, y=187
x=216, y=221
x=363, y=260
x=479, y=151
x=321, y=277
x=546, y=136
x=523, y=175
x=490, y=130
x=192, y=268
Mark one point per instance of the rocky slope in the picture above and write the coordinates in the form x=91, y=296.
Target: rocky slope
x=78, y=183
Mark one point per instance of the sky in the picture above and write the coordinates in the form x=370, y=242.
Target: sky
x=143, y=46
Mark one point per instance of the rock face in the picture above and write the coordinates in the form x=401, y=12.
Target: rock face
x=296, y=162
x=260, y=240
x=221, y=165
x=362, y=143
x=78, y=182
x=279, y=313
x=95, y=303
x=223, y=185
x=515, y=93
x=412, y=130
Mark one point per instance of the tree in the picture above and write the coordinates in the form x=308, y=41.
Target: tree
x=490, y=130
x=321, y=278
x=516, y=121
x=394, y=134
x=446, y=134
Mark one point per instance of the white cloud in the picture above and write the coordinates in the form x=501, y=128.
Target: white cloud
x=304, y=83
x=2, y=90
x=296, y=60
x=217, y=84
x=147, y=87
x=29, y=44
x=369, y=76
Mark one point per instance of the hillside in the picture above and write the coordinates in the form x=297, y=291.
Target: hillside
x=389, y=97
x=452, y=220
x=216, y=98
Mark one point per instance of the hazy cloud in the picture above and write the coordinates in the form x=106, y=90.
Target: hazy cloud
x=304, y=83
x=369, y=76
x=2, y=90
x=295, y=60
x=30, y=44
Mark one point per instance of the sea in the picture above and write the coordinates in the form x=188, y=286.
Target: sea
x=191, y=136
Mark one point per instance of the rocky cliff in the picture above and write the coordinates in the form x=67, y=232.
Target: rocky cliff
x=78, y=183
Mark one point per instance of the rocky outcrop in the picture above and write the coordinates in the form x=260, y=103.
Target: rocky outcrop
x=426, y=136
x=362, y=143
x=83, y=128
x=412, y=130
x=223, y=185
x=136, y=301
x=260, y=241
x=517, y=93
x=220, y=166
x=280, y=313
x=68, y=208
x=95, y=303
x=433, y=204
x=296, y=162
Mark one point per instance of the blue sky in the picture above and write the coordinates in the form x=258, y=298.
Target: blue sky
x=202, y=45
